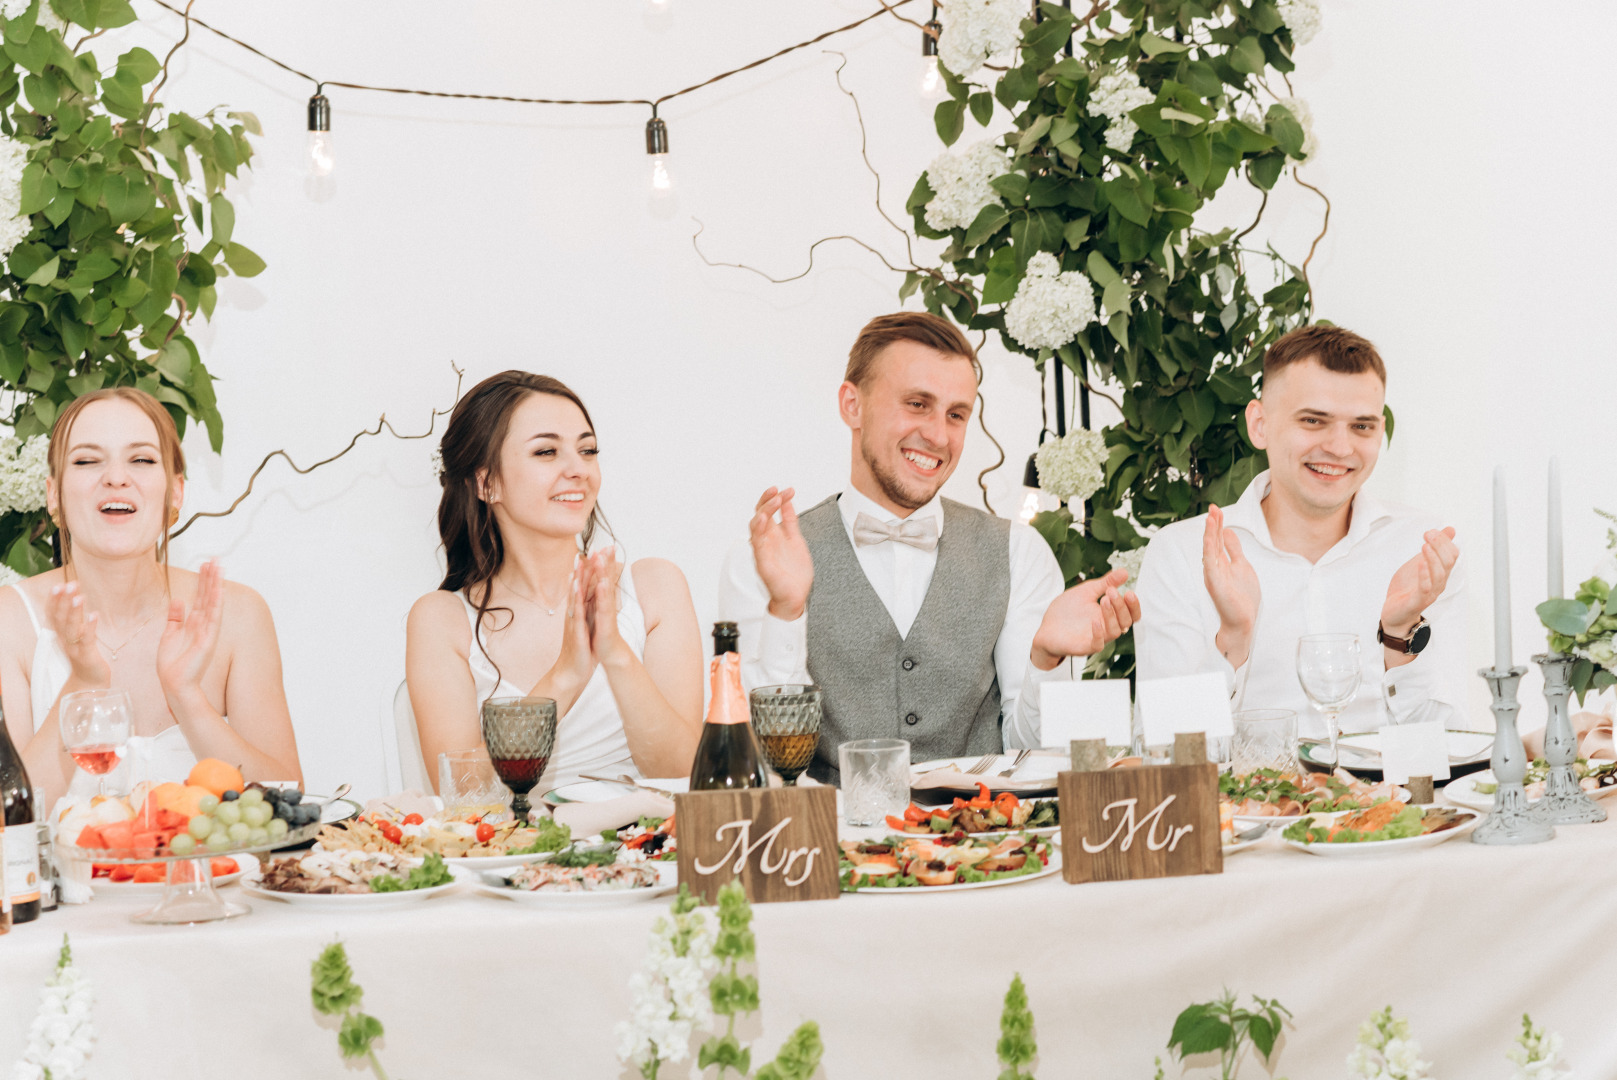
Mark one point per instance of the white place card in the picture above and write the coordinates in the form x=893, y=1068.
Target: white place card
x=1414, y=750
x=1085, y=709
x=1184, y=703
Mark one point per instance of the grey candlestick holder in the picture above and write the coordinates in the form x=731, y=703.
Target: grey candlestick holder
x=1511, y=821
x=1563, y=801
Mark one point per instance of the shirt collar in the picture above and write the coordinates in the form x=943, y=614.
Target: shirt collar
x=854, y=502
x=1247, y=513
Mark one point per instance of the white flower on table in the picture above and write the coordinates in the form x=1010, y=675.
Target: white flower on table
x=62, y=1036
x=1050, y=307
x=962, y=184
x=670, y=994
x=1386, y=1052
x=976, y=31
x=1537, y=1054
x=1302, y=18
x=1114, y=95
x=1073, y=467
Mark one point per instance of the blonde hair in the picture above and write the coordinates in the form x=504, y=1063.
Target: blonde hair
x=168, y=444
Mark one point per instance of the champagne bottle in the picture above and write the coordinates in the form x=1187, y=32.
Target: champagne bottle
x=5, y=894
x=19, y=847
x=727, y=755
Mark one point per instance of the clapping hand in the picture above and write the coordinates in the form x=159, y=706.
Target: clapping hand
x=1084, y=618
x=576, y=663
x=1419, y=582
x=1233, y=585
x=76, y=630
x=781, y=554
x=190, y=637
x=603, y=603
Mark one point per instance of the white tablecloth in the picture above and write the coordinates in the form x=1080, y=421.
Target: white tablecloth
x=1462, y=939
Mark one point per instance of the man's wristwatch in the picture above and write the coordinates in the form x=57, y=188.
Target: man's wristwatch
x=1410, y=646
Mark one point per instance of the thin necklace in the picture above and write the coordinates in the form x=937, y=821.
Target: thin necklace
x=548, y=609
x=113, y=653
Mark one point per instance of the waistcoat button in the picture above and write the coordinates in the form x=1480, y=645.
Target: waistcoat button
x=909, y=665
x=912, y=719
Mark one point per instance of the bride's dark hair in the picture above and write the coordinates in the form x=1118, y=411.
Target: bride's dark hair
x=474, y=551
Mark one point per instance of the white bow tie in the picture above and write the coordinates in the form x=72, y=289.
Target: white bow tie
x=921, y=533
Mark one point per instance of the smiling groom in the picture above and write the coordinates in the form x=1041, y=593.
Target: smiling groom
x=918, y=617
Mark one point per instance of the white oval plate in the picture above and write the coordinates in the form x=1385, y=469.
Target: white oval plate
x=877, y=833
x=667, y=882
x=130, y=888
x=1051, y=867
x=1463, y=792
x=1248, y=819
x=602, y=790
x=1372, y=847
x=359, y=901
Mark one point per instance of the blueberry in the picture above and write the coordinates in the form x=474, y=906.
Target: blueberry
x=307, y=814
x=291, y=796
x=272, y=795
x=230, y=796
x=284, y=812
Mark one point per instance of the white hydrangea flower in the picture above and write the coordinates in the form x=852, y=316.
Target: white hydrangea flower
x=62, y=1036
x=1302, y=18
x=438, y=462
x=1386, y=1052
x=1050, y=307
x=1603, y=652
x=14, y=224
x=8, y=576
x=976, y=31
x=1114, y=96
x=961, y=185
x=1073, y=467
x=1537, y=1054
x=1305, y=117
x=670, y=994
x=1131, y=561
x=23, y=468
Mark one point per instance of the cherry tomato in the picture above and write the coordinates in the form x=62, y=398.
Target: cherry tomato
x=414, y=819
x=485, y=832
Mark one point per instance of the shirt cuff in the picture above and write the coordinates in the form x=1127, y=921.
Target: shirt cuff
x=783, y=649
x=1406, y=689
x=1024, y=731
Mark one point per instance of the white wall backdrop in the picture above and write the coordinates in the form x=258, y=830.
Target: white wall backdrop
x=1465, y=240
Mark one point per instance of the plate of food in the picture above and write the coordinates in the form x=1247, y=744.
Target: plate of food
x=1269, y=797
x=983, y=815
x=1235, y=837
x=581, y=876
x=651, y=839
x=350, y=879
x=602, y=790
x=1360, y=752
x=899, y=864
x=945, y=777
x=472, y=842
x=127, y=879
x=1388, y=826
x=1598, y=778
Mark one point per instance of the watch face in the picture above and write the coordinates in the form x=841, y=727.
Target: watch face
x=1418, y=640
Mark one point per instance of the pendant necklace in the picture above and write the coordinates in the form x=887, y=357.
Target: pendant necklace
x=548, y=609
x=113, y=653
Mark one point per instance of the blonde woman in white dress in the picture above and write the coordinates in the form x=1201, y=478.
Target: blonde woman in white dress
x=526, y=609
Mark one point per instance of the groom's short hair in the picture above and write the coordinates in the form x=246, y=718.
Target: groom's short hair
x=933, y=331
x=1333, y=348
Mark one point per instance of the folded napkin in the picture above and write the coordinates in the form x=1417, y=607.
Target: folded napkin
x=955, y=780
x=588, y=819
x=1594, y=733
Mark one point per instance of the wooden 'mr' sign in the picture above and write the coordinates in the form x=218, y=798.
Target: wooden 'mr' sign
x=781, y=842
x=1144, y=822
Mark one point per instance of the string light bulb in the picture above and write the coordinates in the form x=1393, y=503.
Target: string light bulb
x=932, y=88
x=319, y=183
x=662, y=181
x=1030, y=489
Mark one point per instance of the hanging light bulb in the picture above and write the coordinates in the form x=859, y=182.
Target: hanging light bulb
x=320, y=184
x=932, y=88
x=662, y=183
x=656, y=13
x=1030, y=489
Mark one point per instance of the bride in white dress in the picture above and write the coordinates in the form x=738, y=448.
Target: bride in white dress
x=526, y=609
x=191, y=649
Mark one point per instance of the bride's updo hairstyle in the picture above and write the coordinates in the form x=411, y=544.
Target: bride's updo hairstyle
x=473, y=548
x=168, y=445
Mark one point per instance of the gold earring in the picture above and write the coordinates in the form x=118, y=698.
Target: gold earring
x=173, y=516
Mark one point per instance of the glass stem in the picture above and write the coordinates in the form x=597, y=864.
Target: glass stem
x=1332, y=728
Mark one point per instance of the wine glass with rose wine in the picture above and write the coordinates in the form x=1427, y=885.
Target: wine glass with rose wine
x=95, y=729
x=520, y=734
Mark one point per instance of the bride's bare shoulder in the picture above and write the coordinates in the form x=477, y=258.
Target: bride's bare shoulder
x=439, y=612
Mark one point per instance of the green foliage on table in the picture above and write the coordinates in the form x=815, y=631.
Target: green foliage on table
x=335, y=993
x=1180, y=328
x=1586, y=625
x=734, y=994
x=130, y=231
x=1016, y=1046
x=1225, y=1027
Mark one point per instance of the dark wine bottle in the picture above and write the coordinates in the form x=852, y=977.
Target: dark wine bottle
x=727, y=756
x=19, y=845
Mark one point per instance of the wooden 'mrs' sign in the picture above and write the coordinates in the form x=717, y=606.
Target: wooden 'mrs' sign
x=781, y=842
x=1144, y=822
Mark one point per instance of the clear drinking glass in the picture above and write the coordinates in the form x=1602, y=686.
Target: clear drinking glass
x=469, y=786
x=1266, y=739
x=95, y=729
x=786, y=720
x=875, y=779
x=520, y=733
x=1329, y=669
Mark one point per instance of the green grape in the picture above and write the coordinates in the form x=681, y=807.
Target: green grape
x=184, y=843
x=227, y=813
x=200, y=827
x=277, y=828
x=220, y=840
x=239, y=832
x=258, y=837
x=250, y=797
x=257, y=814
x=207, y=803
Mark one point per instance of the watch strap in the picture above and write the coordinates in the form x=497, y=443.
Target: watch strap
x=1402, y=645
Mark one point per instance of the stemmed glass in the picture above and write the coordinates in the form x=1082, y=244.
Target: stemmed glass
x=1329, y=669
x=520, y=734
x=95, y=729
x=787, y=721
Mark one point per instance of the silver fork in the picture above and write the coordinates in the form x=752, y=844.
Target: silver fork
x=1021, y=756
x=982, y=765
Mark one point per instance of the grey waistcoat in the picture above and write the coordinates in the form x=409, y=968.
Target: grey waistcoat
x=938, y=687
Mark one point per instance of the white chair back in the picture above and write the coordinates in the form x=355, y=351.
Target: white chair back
x=412, y=768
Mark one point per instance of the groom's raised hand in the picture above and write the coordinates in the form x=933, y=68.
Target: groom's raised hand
x=781, y=554
x=1083, y=619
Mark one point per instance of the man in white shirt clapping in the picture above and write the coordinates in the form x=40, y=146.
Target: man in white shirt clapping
x=1304, y=551
x=918, y=617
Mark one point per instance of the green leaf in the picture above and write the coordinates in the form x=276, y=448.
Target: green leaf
x=950, y=119
x=224, y=219
x=1263, y=1034
x=1197, y=1031
x=45, y=273
x=357, y=1033
x=1566, y=616
x=1101, y=271
x=1076, y=231
x=1154, y=46
x=1115, y=297
x=982, y=107
x=1012, y=186
x=989, y=220
x=242, y=261
x=140, y=65
x=1247, y=56
x=1388, y=421
x=1177, y=114
x=331, y=982
x=799, y=1055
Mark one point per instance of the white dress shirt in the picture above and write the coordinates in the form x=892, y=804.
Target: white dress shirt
x=1342, y=593
x=776, y=651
